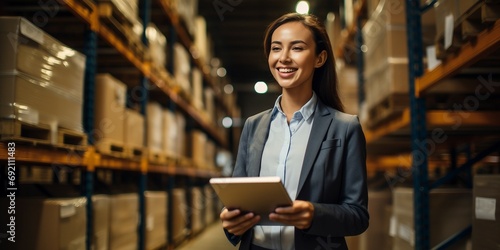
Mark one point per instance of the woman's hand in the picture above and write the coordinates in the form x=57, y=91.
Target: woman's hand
x=236, y=223
x=299, y=215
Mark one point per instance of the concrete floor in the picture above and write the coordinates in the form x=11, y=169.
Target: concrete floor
x=211, y=238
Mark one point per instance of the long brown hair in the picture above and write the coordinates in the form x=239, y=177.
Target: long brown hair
x=325, y=77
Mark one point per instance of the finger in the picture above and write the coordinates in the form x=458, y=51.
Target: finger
x=240, y=228
x=229, y=214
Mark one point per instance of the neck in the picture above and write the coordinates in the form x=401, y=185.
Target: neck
x=291, y=101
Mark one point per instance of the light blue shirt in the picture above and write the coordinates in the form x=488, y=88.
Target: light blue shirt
x=283, y=156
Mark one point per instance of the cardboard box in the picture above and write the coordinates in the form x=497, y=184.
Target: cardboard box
x=450, y=212
x=485, y=221
x=182, y=67
x=110, y=99
x=100, y=220
x=123, y=223
x=198, y=145
x=154, y=127
x=198, y=209
x=46, y=224
x=156, y=219
x=197, y=89
x=25, y=98
x=179, y=223
x=181, y=135
x=133, y=129
x=377, y=234
x=34, y=52
x=210, y=200
x=157, y=46
x=170, y=134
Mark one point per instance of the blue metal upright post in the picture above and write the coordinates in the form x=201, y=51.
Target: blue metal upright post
x=90, y=51
x=144, y=87
x=418, y=127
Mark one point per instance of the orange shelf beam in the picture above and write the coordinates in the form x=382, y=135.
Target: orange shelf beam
x=437, y=118
x=486, y=42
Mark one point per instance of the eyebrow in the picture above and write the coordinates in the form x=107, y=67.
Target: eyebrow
x=293, y=42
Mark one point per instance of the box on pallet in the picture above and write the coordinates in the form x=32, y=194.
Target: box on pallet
x=24, y=98
x=182, y=67
x=100, y=220
x=197, y=89
x=37, y=58
x=485, y=221
x=133, y=135
x=154, y=127
x=181, y=134
x=210, y=201
x=450, y=212
x=157, y=46
x=179, y=216
x=170, y=134
x=48, y=224
x=197, y=146
x=156, y=219
x=456, y=9
x=197, y=209
x=124, y=218
x=110, y=98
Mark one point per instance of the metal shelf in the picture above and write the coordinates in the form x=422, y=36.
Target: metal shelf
x=44, y=154
x=87, y=11
x=487, y=41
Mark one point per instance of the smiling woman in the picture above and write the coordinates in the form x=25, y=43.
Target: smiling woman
x=308, y=142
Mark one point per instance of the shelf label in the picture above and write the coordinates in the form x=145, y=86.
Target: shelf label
x=448, y=30
x=485, y=208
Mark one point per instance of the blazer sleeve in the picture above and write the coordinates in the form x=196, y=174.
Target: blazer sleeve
x=350, y=215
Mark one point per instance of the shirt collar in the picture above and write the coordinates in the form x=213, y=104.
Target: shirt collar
x=306, y=111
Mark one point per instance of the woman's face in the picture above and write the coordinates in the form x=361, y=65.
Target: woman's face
x=292, y=58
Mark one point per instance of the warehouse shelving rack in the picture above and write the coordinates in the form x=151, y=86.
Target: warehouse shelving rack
x=410, y=129
x=89, y=160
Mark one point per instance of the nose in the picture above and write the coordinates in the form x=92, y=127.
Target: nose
x=284, y=57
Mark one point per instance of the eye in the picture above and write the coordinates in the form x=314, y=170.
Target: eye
x=297, y=48
x=275, y=48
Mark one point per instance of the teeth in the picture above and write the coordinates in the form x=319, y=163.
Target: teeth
x=287, y=70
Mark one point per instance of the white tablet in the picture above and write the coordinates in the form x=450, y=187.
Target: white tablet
x=260, y=195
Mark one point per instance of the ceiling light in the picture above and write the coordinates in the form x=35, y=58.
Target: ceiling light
x=221, y=72
x=302, y=7
x=228, y=89
x=260, y=87
x=227, y=122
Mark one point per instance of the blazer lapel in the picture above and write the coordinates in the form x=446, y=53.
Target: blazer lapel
x=257, y=146
x=322, y=120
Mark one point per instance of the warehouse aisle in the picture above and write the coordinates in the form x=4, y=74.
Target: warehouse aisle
x=212, y=238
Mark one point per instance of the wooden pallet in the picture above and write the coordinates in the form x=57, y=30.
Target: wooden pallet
x=67, y=137
x=111, y=148
x=134, y=152
x=389, y=107
x=14, y=130
x=478, y=18
x=157, y=157
x=121, y=26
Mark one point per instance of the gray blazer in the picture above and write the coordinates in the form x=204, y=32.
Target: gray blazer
x=333, y=177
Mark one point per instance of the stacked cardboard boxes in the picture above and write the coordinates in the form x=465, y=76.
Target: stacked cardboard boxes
x=450, y=212
x=34, y=68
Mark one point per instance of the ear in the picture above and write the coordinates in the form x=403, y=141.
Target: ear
x=321, y=59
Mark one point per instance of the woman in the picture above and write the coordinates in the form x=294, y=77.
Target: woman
x=318, y=151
